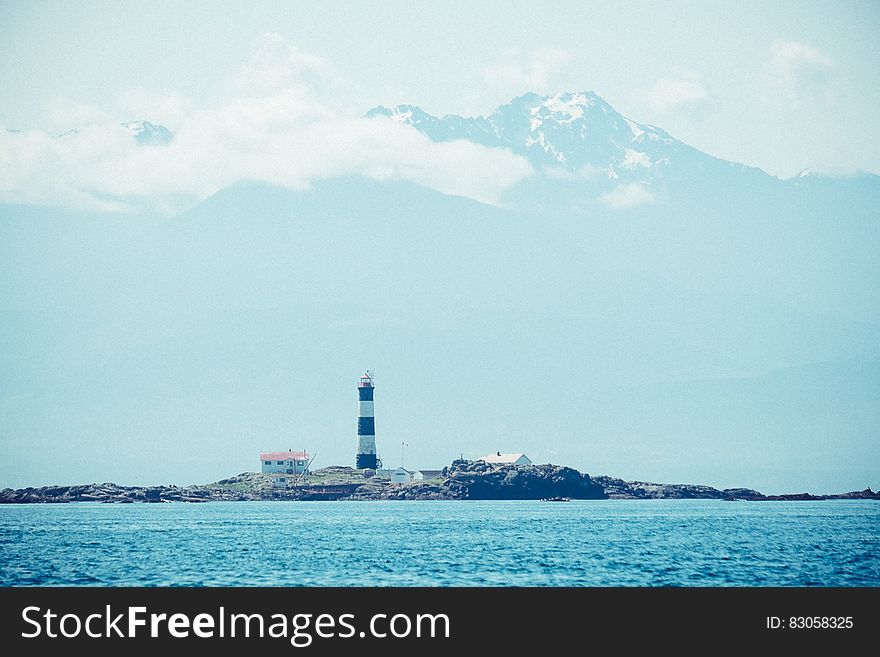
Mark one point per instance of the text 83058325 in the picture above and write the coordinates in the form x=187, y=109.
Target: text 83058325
x=810, y=623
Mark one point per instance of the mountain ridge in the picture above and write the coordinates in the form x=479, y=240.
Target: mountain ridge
x=578, y=132
x=574, y=140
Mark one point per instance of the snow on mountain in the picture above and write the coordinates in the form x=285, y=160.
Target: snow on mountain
x=144, y=132
x=574, y=131
x=148, y=133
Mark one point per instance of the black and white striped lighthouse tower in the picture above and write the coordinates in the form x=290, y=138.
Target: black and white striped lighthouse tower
x=366, y=454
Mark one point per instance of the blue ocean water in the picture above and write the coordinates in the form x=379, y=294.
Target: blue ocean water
x=523, y=543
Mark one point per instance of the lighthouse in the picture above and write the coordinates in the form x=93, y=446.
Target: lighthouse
x=366, y=454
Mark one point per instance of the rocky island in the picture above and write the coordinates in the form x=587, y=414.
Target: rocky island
x=463, y=480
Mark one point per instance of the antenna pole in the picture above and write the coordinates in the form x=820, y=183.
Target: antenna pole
x=306, y=469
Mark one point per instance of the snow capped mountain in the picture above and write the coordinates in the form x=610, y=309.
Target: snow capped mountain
x=577, y=132
x=144, y=132
x=149, y=133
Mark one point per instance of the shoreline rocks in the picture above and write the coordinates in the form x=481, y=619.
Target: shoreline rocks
x=463, y=480
x=642, y=490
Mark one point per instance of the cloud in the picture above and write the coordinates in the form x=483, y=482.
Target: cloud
x=276, y=64
x=798, y=72
x=275, y=123
x=681, y=89
x=520, y=71
x=626, y=196
x=61, y=114
x=586, y=172
x=166, y=108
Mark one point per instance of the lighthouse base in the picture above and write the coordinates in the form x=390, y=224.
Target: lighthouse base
x=366, y=461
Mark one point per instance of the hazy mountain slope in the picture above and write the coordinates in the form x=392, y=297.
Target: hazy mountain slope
x=242, y=324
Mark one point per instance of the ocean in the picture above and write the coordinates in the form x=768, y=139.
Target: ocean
x=510, y=543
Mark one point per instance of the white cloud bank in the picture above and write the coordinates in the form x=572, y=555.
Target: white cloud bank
x=535, y=70
x=276, y=124
x=676, y=91
x=625, y=196
x=798, y=71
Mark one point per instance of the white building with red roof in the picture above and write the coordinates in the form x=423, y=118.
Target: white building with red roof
x=284, y=462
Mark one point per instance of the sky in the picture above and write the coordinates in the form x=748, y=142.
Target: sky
x=783, y=86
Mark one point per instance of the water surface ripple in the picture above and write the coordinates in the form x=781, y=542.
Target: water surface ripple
x=523, y=543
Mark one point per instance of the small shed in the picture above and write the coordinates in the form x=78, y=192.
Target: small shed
x=422, y=475
x=401, y=476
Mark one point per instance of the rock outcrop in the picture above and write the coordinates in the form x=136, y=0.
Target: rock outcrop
x=618, y=489
x=463, y=480
x=645, y=490
x=476, y=480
